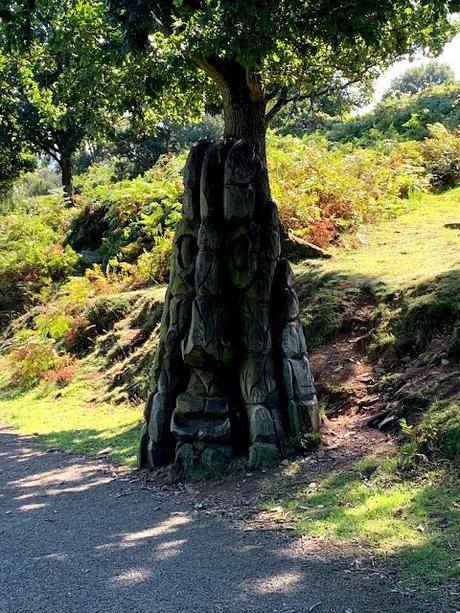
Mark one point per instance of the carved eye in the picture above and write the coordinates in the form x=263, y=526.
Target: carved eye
x=240, y=252
x=188, y=250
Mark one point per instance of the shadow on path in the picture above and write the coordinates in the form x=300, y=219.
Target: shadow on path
x=75, y=537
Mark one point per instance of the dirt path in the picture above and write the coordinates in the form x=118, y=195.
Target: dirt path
x=79, y=535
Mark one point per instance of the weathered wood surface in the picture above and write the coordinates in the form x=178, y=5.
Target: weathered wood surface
x=231, y=374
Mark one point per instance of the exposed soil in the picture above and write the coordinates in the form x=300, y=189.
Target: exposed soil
x=346, y=435
x=356, y=403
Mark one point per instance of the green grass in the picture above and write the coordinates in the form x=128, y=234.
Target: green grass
x=410, y=521
x=407, y=268
x=408, y=250
x=72, y=418
x=404, y=507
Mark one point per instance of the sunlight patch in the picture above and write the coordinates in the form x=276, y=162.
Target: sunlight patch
x=131, y=577
x=281, y=583
x=169, y=525
x=169, y=549
x=32, y=506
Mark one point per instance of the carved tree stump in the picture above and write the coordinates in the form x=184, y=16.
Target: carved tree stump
x=231, y=374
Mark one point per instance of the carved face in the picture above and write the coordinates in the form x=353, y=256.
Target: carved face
x=218, y=250
x=185, y=250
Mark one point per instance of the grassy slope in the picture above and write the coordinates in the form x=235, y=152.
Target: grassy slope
x=413, y=520
x=93, y=412
x=399, y=253
x=413, y=258
x=411, y=249
x=73, y=418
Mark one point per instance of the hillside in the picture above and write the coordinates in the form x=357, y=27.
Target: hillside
x=399, y=281
x=383, y=319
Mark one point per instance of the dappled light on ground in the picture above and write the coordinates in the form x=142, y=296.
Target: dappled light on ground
x=370, y=503
x=172, y=524
x=116, y=546
x=131, y=577
x=32, y=506
x=285, y=582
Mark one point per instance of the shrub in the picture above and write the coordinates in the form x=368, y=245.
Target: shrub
x=75, y=294
x=124, y=219
x=436, y=436
x=321, y=193
x=441, y=154
x=403, y=118
x=153, y=266
x=63, y=372
x=53, y=324
x=34, y=358
x=32, y=255
x=324, y=192
x=31, y=359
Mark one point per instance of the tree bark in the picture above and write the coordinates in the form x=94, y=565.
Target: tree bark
x=65, y=164
x=244, y=102
x=245, y=118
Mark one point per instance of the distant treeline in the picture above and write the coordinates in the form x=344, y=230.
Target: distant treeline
x=405, y=117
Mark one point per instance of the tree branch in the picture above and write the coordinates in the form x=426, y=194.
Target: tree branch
x=232, y=78
x=284, y=100
x=279, y=104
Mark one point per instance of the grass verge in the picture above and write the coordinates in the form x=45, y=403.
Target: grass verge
x=411, y=521
x=71, y=418
x=404, y=508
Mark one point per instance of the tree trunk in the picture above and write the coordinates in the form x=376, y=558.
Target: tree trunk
x=231, y=375
x=245, y=118
x=66, y=175
x=244, y=108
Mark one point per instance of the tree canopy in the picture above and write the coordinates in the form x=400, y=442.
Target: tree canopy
x=60, y=83
x=15, y=153
x=420, y=78
x=269, y=49
x=15, y=156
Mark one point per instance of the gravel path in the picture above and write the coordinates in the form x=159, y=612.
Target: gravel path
x=77, y=537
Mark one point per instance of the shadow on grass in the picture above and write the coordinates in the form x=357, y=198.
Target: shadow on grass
x=121, y=447
x=401, y=322
x=426, y=310
x=407, y=520
x=330, y=300
x=10, y=391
